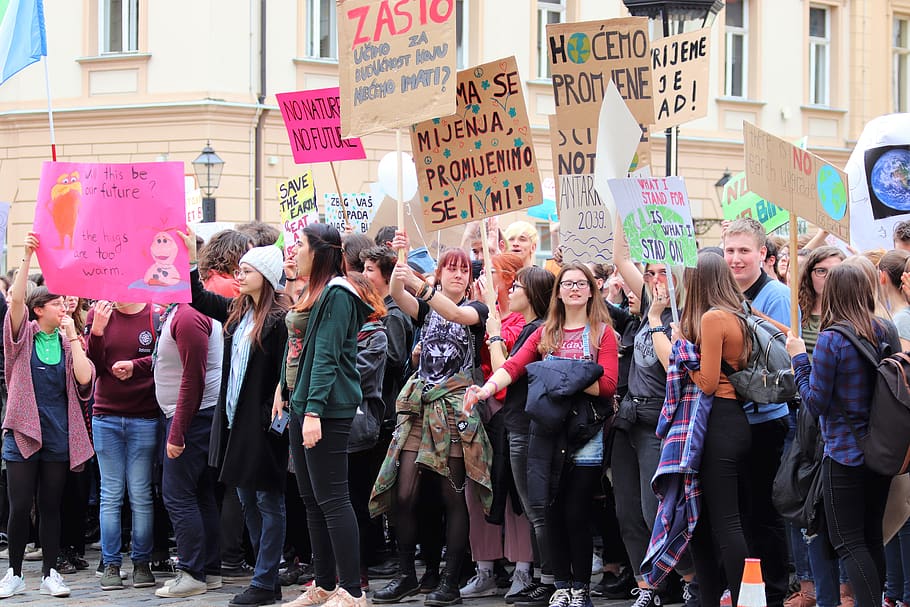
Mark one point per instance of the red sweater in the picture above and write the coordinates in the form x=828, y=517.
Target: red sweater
x=126, y=337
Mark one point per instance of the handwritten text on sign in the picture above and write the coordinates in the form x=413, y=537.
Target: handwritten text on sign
x=797, y=180
x=656, y=219
x=109, y=231
x=586, y=56
x=680, y=67
x=739, y=201
x=361, y=209
x=585, y=222
x=480, y=161
x=313, y=121
x=297, y=206
x=397, y=62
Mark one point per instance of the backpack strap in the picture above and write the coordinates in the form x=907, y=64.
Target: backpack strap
x=865, y=348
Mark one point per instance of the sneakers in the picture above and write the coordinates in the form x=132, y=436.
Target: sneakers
x=77, y=560
x=99, y=572
x=253, y=597
x=111, y=579
x=581, y=597
x=183, y=585
x=482, y=584
x=11, y=584
x=691, y=597
x=561, y=598
x=52, y=585
x=212, y=582
x=236, y=574
x=312, y=596
x=646, y=598
x=538, y=596
x=34, y=554
x=521, y=581
x=143, y=576
x=64, y=566
x=614, y=586
x=726, y=599
x=341, y=598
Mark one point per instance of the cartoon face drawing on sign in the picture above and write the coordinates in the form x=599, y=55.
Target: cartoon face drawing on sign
x=66, y=196
x=163, y=272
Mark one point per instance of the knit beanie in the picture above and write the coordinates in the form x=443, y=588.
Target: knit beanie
x=268, y=261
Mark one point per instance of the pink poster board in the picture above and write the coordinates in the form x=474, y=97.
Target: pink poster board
x=109, y=231
x=313, y=121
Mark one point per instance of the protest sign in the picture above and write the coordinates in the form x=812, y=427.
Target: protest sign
x=297, y=206
x=679, y=71
x=4, y=222
x=738, y=201
x=586, y=56
x=193, y=200
x=361, y=209
x=657, y=220
x=313, y=122
x=396, y=63
x=797, y=180
x=480, y=161
x=109, y=231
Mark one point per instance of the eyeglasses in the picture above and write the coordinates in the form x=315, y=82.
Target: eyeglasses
x=238, y=274
x=581, y=285
x=651, y=274
x=820, y=272
x=515, y=286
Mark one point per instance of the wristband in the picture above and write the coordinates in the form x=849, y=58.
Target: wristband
x=72, y=339
x=494, y=338
x=658, y=330
x=311, y=414
x=430, y=296
x=495, y=385
x=286, y=279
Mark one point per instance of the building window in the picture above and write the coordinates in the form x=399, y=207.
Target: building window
x=548, y=12
x=901, y=82
x=819, y=55
x=321, y=25
x=119, y=26
x=736, y=33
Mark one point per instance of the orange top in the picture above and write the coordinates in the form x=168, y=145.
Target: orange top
x=721, y=336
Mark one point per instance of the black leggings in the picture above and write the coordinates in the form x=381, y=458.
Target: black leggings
x=23, y=478
x=451, y=490
x=568, y=525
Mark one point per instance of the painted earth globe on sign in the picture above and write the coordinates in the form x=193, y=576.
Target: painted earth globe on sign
x=578, y=48
x=891, y=179
x=832, y=193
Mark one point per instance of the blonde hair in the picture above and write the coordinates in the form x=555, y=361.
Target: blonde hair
x=521, y=227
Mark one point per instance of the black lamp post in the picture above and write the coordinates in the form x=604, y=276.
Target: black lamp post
x=720, y=184
x=676, y=17
x=208, y=167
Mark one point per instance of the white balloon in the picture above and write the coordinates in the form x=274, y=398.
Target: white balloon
x=388, y=175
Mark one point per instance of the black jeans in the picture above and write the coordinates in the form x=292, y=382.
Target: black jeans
x=719, y=535
x=322, y=477
x=569, y=525
x=537, y=517
x=764, y=525
x=854, y=507
x=23, y=478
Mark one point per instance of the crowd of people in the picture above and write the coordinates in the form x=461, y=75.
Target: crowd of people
x=350, y=406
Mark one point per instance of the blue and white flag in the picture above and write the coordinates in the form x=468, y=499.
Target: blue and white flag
x=23, y=40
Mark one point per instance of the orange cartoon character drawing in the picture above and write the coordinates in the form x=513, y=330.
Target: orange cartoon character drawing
x=162, y=272
x=66, y=197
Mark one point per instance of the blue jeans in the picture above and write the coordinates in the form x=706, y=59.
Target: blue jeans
x=265, y=521
x=125, y=447
x=897, y=565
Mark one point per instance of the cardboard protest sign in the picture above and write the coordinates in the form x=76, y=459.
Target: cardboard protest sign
x=586, y=56
x=879, y=174
x=313, y=121
x=361, y=210
x=480, y=161
x=797, y=180
x=4, y=222
x=297, y=206
x=109, y=231
x=738, y=201
x=657, y=220
x=193, y=200
x=396, y=63
x=679, y=69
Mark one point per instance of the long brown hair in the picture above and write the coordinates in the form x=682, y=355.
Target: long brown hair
x=893, y=264
x=848, y=299
x=598, y=317
x=269, y=305
x=711, y=285
x=806, y=294
x=328, y=262
x=368, y=293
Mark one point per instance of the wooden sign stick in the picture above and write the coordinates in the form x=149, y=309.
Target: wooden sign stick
x=344, y=211
x=489, y=293
x=794, y=275
x=402, y=254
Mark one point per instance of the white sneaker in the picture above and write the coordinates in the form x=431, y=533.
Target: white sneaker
x=482, y=584
x=36, y=554
x=520, y=581
x=212, y=582
x=11, y=584
x=53, y=585
x=183, y=585
x=597, y=563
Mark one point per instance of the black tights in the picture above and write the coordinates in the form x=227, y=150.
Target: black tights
x=22, y=479
x=453, y=500
x=568, y=525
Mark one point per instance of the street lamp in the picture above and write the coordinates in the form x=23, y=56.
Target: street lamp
x=207, y=167
x=720, y=184
x=677, y=17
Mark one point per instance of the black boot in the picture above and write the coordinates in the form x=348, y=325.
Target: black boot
x=405, y=584
x=447, y=593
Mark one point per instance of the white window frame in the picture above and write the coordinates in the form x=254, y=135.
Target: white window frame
x=314, y=30
x=816, y=44
x=129, y=27
x=544, y=9
x=901, y=66
x=730, y=33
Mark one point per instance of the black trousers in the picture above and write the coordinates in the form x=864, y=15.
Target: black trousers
x=569, y=525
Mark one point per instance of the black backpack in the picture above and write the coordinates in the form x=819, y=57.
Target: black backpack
x=887, y=445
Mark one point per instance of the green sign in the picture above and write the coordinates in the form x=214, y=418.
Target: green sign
x=739, y=201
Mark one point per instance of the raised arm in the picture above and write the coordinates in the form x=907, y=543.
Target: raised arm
x=18, y=313
x=630, y=273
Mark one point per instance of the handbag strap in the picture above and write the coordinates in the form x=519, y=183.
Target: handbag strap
x=585, y=344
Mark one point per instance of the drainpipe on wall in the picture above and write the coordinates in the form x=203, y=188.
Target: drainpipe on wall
x=261, y=116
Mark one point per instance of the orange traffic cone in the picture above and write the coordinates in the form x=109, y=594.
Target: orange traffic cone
x=752, y=590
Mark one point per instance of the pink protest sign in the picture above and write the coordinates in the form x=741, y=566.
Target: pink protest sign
x=109, y=231
x=313, y=120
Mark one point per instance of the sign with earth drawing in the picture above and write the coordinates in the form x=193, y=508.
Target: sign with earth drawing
x=656, y=220
x=888, y=176
x=797, y=180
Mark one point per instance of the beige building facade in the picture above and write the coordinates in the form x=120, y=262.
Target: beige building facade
x=153, y=80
